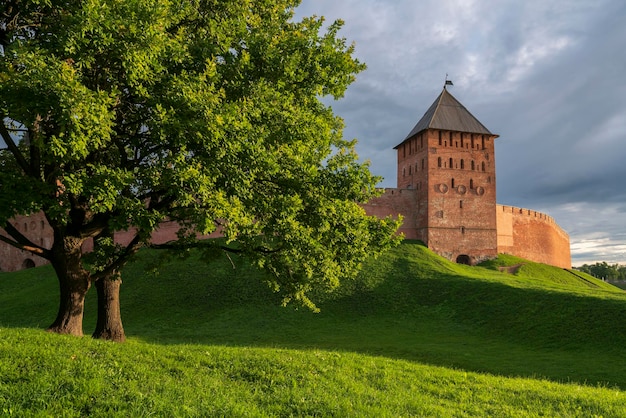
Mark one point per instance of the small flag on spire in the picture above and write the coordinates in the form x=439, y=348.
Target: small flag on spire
x=448, y=82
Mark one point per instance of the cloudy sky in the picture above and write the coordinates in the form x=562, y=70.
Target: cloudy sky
x=548, y=76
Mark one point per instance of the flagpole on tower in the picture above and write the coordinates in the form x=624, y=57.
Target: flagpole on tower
x=447, y=82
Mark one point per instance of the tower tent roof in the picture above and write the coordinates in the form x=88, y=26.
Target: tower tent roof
x=447, y=113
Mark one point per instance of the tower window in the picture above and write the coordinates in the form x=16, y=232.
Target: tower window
x=473, y=165
x=462, y=164
x=483, y=166
x=440, y=138
x=451, y=163
x=460, y=204
x=439, y=162
x=452, y=183
x=471, y=184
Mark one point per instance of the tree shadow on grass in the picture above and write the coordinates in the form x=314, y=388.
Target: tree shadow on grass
x=443, y=319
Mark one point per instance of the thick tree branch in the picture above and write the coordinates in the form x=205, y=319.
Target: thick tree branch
x=35, y=156
x=92, y=229
x=172, y=245
x=21, y=242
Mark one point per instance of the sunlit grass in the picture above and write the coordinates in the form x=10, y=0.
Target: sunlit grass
x=65, y=376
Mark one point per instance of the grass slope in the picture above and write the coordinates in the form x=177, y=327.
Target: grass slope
x=414, y=335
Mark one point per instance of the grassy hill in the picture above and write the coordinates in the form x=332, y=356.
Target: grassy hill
x=415, y=335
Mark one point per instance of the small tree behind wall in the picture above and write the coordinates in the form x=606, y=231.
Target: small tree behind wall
x=123, y=114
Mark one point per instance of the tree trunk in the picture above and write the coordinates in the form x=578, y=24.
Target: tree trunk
x=71, y=307
x=74, y=282
x=109, y=324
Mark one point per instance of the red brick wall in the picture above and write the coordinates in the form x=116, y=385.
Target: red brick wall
x=396, y=202
x=34, y=227
x=166, y=232
x=532, y=235
x=522, y=232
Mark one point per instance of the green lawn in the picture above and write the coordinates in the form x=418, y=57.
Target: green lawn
x=415, y=335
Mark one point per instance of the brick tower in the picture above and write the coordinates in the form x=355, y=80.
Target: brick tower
x=448, y=159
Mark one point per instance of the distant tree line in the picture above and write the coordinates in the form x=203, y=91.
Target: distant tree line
x=604, y=270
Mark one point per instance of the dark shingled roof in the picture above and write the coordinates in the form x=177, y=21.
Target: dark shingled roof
x=447, y=113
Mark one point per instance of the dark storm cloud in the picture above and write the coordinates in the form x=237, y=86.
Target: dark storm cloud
x=548, y=77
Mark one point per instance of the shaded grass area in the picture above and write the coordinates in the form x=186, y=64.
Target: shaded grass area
x=411, y=315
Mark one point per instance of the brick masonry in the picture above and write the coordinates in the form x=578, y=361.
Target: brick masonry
x=36, y=228
x=446, y=196
x=532, y=235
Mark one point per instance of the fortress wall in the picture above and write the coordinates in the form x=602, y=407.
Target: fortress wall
x=521, y=232
x=532, y=235
x=393, y=202
x=166, y=232
x=34, y=227
x=396, y=202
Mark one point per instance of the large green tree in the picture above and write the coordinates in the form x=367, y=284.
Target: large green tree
x=120, y=114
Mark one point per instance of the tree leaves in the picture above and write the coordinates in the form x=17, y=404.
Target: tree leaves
x=202, y=111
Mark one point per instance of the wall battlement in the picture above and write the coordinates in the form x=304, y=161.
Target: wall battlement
x=527, y=212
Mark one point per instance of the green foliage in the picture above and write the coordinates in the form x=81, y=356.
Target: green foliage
x=208, y=113
x=412, y=335
x=604, y=270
